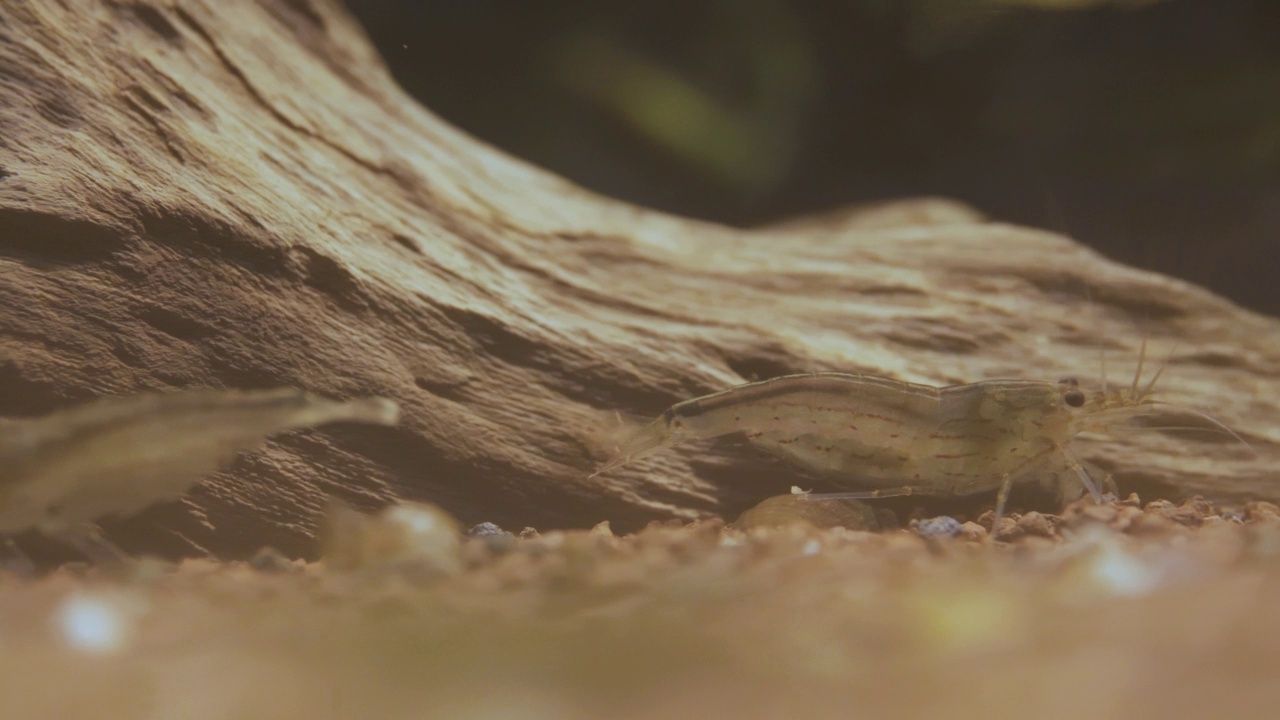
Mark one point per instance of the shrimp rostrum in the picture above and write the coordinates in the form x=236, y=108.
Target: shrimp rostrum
x=892, y=438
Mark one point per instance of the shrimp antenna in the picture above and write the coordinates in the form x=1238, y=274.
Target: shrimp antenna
x=1152, y=384
x=1213, y=420
x=1102, y=351
x=1193, y=428
x=1137, y=374
x=1102, y=363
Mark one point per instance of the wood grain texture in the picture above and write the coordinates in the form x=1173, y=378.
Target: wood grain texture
x=236, y=194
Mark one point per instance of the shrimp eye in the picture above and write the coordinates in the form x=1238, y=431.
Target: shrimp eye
x=1074, y=398
x=1069, y=381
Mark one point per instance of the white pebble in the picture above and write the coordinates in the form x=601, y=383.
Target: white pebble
x=1122, y=573
x=417, y=520
x=95, y=624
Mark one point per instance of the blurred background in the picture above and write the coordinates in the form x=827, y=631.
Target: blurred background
x=1148, y=129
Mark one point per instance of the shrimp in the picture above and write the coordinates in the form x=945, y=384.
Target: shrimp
x=897, y=438
x=117, y=456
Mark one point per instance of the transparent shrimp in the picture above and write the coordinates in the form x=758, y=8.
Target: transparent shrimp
x=117, y=456
x=895, y=438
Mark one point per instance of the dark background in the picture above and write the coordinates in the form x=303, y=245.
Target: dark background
x=1147, y=129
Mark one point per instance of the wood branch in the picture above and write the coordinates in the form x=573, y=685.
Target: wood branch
x=236, y=194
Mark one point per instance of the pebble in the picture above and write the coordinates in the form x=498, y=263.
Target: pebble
x=486, y=529
x=941, y=526
x=1036, y=524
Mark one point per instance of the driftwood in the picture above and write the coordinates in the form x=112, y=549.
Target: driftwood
x=236, y=194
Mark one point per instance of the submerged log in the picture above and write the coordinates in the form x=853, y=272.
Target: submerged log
x=237, y=195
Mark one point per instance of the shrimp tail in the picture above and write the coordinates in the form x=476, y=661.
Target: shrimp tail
x=371, y=410
x=655, y=436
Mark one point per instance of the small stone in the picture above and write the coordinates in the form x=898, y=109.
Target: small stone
x=1037, y=524
x=1009, y=530
x=1126, y=516
x=271, y=560
x=492, y=538
x=1185, y=515
x=1199, y=505
x=972, y=531
x=941, y=526
x=1233, y=515
x=486, y=529
x=1131, y=501
x=1087, y=511
x=1152, y=524
x=788, y=510
x=1261, y=511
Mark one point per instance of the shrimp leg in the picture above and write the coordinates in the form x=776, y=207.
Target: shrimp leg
x=1006, y=485
x=1074, y=463
x=1002, y=497
x=1032, y=464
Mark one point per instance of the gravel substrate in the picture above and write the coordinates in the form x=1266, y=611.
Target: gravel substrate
x=1123, y=610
